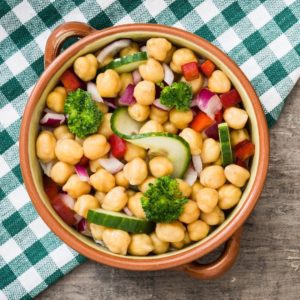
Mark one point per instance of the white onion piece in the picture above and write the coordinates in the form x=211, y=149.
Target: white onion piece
x=48, y=110
x=101, y=243
x=53, y=119
x=157, y=104
x=67, y=200
x=197, y=163
x=127, y=211
x=209, y=102
x=112, y=49
x=82, y=173
x=110, y=104
x=169, y=75
x=92, y=89
x=144, y=49
x=78, y=218
x=111, y=164
x=190, y=176
x=46, y=167
x=136, y=77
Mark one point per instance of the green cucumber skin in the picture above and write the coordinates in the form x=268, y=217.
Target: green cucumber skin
x=226, y=150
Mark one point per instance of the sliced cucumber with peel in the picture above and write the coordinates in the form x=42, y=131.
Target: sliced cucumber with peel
x=119, y=220
x=175, y=148
x=126, y=63
x=226, y=151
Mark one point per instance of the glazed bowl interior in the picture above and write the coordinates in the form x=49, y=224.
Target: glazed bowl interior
x=140, y=36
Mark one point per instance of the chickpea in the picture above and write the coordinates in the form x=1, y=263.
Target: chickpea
x=108, y=84
x=184, y=188
x=169, y=56
x=60, y=172
x=159, y=246
x=158, y=115
x=86, y=67
x=62, y=132
x=56, y=99
x=95, y=165
x=215, y=217
x=229, y=196
x=102, y=107
x=236, y=118
x=121, y=180
x=152, y=70
x=129, y=50
x=116, y=240
x=45, y=146
x=140, y=245
x=135, y=206
x=170, y=232
x=126, y=79
x=212, y=177
x=151, y=126
x=75, y=187
x=116, y=199
x=170, y=127
x=181, y=244
x=218, y=162
x=136, y=171
x=68, y=151
x=193, y=138
x=210, y=151
x=236, y=175
x=196, y=84
x=198, y=230
x=207, y=199
x=181, y=119
x=102, y=181
x=190, y=212
x=239, y=135
x=158, y=48
x=180, y=57
x=196, y=187
x=105, y=128
x=144, y=92
x=84, y=203
x=130, y=193
x=139, y=112
x=143, y=187
x=100, y=197
x=133, y=151
x=97, y=231
x=160, y=166
x=218, y=82
x=95, y=146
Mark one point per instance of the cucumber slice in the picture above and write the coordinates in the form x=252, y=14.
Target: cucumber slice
x=175, y=148
x=226, y=151
x=126, y=63
x=119, y=221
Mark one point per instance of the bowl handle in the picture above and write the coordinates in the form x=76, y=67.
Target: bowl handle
x=221, y=265
x=60, y=34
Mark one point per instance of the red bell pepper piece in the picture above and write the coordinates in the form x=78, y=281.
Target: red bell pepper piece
x=207, y=68
x=190, y=71
x=70, y=81
x=65, y=212
x=118, y=146
x=230, y=98
x=244, y=150
x=219, y=116
x=50, y=187
x=201, y=121
x=242, y=163
x=83, y=161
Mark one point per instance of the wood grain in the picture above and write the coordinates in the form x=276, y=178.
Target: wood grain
x=269, y=263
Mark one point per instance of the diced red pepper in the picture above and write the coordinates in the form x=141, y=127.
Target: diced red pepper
x=70, y=81
x=242, y=163
x=50, y=187
x=201, y=121
x=244, y=150
x=118, y=146
x=65, y=212
x=190, y=71
x=219, y=116
x=207, y=68
x=83, y=161
x=230, y=98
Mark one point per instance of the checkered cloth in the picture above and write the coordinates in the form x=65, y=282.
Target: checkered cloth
x=261, y=36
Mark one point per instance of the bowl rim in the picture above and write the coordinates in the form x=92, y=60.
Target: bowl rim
x=160, y=262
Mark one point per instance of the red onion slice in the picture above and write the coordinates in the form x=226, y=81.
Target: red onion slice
x=112, y=49
x=127, y=211
x=169, y=75
x=46, y=167
x=82, y=173
x=136, y=77
x=127, y=98
x=157, y=104
x=197, y=163
x=209, y=102
x=83, y=228
x=92, y=89
x=53, y=119
x=111, y=164
x=67, y=200
x=190, y=176
x=212, y=132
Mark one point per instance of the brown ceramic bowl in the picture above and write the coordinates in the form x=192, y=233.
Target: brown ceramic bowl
x=228, y=232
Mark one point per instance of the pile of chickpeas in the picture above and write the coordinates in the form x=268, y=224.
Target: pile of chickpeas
x=216, y=190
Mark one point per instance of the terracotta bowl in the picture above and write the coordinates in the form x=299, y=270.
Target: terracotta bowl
x=229, y=232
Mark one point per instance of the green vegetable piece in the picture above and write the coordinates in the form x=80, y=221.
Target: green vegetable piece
x=226, y=151
x=178, y=95
x=163, y=202
x=84, y=117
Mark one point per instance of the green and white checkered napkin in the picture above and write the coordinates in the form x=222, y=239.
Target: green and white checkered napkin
x=263, y=37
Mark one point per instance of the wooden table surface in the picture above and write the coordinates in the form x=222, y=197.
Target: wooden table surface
x=268, y=266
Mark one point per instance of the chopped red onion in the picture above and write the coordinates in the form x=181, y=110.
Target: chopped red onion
x=169, y=75
x=136, y=77
x=53, y=119
x=197, y=163
x=46, y=167
x=82, y=173
x=48, y=110
x=67, y=200
x=190, y=176
x=111, y=164
x=112, y=49
x=212, y=132
x=127, y=98
x=194, y=103
x=92, y=89
x=127, y=211
x=78, y=218
x=83, y=228
x=157, y=104
x=209, y=102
